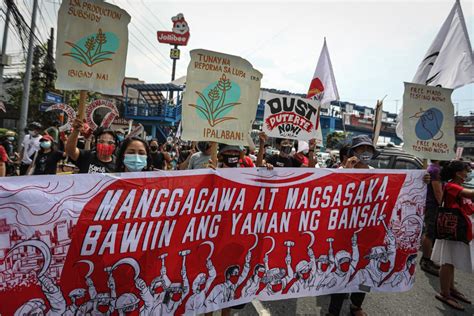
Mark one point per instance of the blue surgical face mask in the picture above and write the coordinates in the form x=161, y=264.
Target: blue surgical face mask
x=11, y=138
x=45, y=145
x=135, y=162
x=365, y=157
x=120, y=138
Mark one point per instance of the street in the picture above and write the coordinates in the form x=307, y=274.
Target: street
x=419, y=301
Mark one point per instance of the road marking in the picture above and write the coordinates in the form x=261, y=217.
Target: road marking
x=262, y=311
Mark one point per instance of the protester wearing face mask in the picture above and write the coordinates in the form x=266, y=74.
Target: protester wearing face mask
x=30, y=146
x=451, y=254
x=46, y=158
x=100, y=160
x=3, y=161
x=200, y=160
x=185, y=155
x=361, y=152
x=284, y=158
x=229, y=156
x=133, y=156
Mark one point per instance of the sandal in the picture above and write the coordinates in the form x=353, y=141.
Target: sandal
x=357, y=311
x=450, y=301
x=456, y=294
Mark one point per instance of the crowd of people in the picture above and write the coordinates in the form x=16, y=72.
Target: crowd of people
x=44, y=151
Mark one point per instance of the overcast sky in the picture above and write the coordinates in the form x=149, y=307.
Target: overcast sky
x=374, y=45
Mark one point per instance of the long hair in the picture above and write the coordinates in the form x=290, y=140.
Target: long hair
x=120, y=166
x=449, y=171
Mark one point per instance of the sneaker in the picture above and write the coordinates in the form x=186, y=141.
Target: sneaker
x=429, y=267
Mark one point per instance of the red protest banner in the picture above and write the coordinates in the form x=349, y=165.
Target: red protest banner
x=196, y=241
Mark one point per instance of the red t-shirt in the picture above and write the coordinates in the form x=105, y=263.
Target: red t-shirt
x=246, y=162
x=453, y=200
x=3, y=154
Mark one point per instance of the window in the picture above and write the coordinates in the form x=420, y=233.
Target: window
x=405, y=164
x=381, y=162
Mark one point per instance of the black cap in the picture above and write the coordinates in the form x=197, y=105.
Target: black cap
x=361, y=140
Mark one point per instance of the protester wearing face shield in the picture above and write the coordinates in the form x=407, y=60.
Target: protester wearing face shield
x=284, y=158
x=200, y=160
x=30, y=145
x=133, y=156
x=46, y=158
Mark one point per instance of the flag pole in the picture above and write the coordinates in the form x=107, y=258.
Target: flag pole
x=82, y=105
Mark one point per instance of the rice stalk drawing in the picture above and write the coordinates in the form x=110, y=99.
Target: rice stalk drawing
x=91, y=54
x=215, y=106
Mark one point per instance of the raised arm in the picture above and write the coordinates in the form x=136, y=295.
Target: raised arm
x=71, y=146
x=262, y=137
x=312, y=160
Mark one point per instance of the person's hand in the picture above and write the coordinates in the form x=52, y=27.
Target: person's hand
x=427, y=178
x=354, y=239
x=265, y=259
x=310, y=253
x=211, y=165
x=89, y=282
x=351, y=162
x=248, y=257
x=78, y=125
x=269, y=166
x=111, y=282
x=262, y=137
x=312, y=144
x=140, y=284
x=288, y=259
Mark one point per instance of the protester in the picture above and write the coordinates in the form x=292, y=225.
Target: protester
x=99, y=160
x=433, y=199
x=284, y=158
x=3, y=161
x=451, y=254
x=30, y=145
x=133, y=156
x=46, y=159
x=343, y=156
x=185, y=155
x=200, y=160
x=245, y=161
x=7, y=141
x=158, y=159
x=360, y=153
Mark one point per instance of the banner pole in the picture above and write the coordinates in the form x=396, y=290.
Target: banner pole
x=81, y=112
x=425, y=163
x=214, y=153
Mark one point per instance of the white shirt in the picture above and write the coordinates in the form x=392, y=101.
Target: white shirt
x=30, y=145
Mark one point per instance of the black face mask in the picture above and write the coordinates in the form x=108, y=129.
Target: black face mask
x=286, y=149
x=203, y=146
x=230, y=161
x=153, y=148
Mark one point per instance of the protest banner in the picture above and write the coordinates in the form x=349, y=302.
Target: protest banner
x=197, y=241
x=221, y=98
x=108, y=118
x=91, y=47
x=428, y=117
x=292, y=117
x=66, y=108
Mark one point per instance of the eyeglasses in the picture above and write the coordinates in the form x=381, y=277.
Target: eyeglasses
x=110, y=142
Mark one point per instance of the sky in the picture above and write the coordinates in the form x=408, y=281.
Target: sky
x=374, y=45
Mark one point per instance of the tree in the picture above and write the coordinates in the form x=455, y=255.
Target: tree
x=334, y=140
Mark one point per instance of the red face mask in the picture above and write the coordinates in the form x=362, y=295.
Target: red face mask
x=345, y=266
x=411, y=270
x=277, y=287
x=384, y=267
x=202, y=286
x=103, y=308
x=176, y=296
x=260, y=274
x=159, y=289
x=305, y=275
x=233, y=279
x=105, y=149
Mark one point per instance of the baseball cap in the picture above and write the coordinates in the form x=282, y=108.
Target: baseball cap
x=225, y=148
x=361, y=140
x=46, y=138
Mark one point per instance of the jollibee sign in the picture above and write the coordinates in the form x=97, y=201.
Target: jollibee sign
x=179, y=34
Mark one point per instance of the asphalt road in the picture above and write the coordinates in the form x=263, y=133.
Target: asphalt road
x=419, y=301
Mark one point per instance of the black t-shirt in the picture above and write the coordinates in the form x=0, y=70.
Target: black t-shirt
x=158, y=160
x=287, y=162
x=89, y=163
x=183, y=155
x=47, y=163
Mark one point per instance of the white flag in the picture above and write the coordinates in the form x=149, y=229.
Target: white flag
x=449, y=60
x=323, y=86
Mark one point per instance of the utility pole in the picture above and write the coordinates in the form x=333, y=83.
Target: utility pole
x=396, y=106
x=27, y=79
x=4, y=45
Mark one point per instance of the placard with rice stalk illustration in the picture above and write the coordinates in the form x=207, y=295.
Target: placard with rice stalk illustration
x=221, y=98
x=91, y=46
